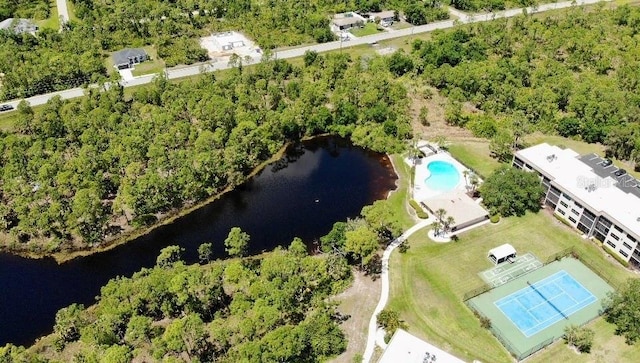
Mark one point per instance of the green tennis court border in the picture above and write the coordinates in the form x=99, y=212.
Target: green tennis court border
x=509, y=334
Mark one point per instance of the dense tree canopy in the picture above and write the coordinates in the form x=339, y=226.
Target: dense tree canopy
x=511, y=191
x=573, y=74
x=86, y=170
x=37, y=9
x=271, y=309
x=623, y=310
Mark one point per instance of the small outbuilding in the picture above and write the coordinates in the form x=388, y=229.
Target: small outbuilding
x=502, y=253
x=19, y=26
x=127, y=58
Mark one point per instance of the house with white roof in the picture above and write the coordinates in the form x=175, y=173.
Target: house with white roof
x=589, y=193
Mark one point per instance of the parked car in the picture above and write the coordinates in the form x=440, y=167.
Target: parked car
x=6, y=108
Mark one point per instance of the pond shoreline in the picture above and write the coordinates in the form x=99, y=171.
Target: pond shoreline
x=67, y=255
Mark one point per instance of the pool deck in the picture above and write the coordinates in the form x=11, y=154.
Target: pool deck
x=421, y=191
x=467, y=212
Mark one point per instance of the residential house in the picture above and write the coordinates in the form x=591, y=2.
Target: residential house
x=346, y=21
x=129, y=57
x=19, y=26
x=387, y=17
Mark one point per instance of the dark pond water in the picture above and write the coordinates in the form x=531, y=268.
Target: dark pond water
x=318, y=183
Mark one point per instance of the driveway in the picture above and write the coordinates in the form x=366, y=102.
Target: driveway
x=126, y=74
x=63, y=11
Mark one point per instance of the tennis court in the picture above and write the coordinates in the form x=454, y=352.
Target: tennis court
x=532, y=310
x=540, y=305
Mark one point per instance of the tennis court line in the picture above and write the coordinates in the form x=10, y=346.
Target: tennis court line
x=523, y=292
x=556, y=316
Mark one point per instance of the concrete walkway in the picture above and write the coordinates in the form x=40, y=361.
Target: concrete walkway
x=384, y=293
x=196, y=69
x=63, y=12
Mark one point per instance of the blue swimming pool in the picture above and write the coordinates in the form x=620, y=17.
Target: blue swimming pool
x=443, y=176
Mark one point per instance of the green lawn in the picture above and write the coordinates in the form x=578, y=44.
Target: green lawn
x=152, y=66
x=475, y=155
x=399, y=199
x=52, y=22
x=72, y=11
x=429, y=281
x=368, y=29
x=607, y=347
x=7, y=120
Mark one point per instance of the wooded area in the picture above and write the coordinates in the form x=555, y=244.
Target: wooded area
x=84, y=170
x=36, y=9
x=269, y=309
x=575, y=75
x=53, y=61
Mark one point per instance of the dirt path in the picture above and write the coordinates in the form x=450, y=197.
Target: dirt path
x=358, y=301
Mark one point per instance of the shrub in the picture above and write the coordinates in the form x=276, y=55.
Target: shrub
x=579, y=337
x=562, y=220
x=484, y=321
x=495, y=218
x=390, y=321
x=144, y=220
x=403, y=247
x=615, y=255
x=419, y=211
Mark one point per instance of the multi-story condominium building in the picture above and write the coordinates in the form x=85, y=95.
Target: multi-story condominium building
x=589, y=193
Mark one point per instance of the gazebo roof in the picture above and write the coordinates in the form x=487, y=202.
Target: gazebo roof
x=502, y=251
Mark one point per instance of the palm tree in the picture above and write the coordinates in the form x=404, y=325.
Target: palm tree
x=474, y=181
x=448, y=223
x=465, y=174
x=437, y=227
x=440, y=213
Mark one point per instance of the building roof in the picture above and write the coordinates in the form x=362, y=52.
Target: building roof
x=348, y=20
x=407, y=348
x=383, y=14
x=587, y=180
x=502, y=251
x=18, y=25
x=123, y=56
x=458, y=205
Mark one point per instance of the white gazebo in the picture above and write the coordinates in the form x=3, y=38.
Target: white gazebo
x=502, y=253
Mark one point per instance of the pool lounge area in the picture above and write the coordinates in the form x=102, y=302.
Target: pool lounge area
x=440, y=183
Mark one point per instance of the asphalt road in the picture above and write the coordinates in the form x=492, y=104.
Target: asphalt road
x=188, y=71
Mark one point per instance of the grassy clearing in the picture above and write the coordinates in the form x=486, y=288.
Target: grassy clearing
x=7, y=121
x=429, y=281
x=152, y=66
x=399, y=199
x=400, y=25
x=607, y=347
x=367, y=29
x=52, y=22
x=580, y=147
x=358, y=302
x=475, y=155
x=71, y=8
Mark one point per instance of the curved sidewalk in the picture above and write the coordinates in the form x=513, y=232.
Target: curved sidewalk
x=384, y=293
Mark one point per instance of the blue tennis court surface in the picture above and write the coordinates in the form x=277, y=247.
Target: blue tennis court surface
x=545, y=302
